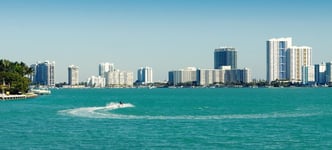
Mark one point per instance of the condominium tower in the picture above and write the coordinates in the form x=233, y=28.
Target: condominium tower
x=144, y=75
x=308, y=74
x=182, y=76
x=225, y=56
x=73, y=75
x=297, y=57
x=328, y=72
x=119, y=78
x=276, y=58
x=43, y=73
x=320, y=75
x=105, y=67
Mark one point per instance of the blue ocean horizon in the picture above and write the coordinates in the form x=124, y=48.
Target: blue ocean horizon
x=220, y=118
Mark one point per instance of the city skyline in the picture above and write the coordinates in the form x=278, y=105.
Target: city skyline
x=165, y=35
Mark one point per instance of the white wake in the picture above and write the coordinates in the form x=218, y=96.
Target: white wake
x=96, y=112
x=106, y=112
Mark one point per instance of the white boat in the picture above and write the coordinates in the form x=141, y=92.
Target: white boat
x=41, y=91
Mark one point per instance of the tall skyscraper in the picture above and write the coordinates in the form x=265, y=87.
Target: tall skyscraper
x=73, y=75
x=276, y=67
x=105, y=67
x=144, y=75
x=225, y=56
x=43, y=73
x=297, y=57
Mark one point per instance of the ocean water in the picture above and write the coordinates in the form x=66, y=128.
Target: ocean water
x=225, y=118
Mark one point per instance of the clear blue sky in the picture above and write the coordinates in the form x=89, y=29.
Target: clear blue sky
x=164, y=35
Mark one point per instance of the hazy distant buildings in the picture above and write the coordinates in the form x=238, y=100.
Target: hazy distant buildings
x=237, y=76
x=73, y=75
x=144, y=75
x=183, y=76
x=33, y=76
x=328, y=72
x=225, y=56
x=207, y=77
x=119, y=79
x=297, y=57
x=276, y=58
x=43, y=73
x=308, y=75
x=105, y=67
x=110, y=77
x=96, y=82
x=323, y=73
x=320, y=75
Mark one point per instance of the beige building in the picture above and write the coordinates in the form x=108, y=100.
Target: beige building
x=119, y=79
x=297, y=57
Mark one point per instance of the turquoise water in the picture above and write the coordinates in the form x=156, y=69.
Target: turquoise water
x=226, y=118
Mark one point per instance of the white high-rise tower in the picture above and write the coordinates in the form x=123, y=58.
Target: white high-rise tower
x=105, y=67
x=73, y=75
x=276, y=58
x=44, y=73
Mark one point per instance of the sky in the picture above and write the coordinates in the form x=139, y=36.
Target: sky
x=162, y=34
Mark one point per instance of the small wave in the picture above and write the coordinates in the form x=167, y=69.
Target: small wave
x=105, y=112
x=215, y=117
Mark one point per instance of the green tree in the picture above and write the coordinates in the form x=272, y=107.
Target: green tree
x=14, y=74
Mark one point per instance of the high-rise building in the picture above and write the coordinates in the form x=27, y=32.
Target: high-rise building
x=320, y=76
x=34, y=73
x=119, y=79
x=43, y=73
x=73, y=75
x=225, y=56
x=276, y=61
x=182, y=76
x=328, y=72
x=297, y=57
x=208, y=77
x=308, y=74
x=144, y=75
x=105, y=67
x=237, y=76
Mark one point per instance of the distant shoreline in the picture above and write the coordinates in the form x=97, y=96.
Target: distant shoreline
x=196, y=87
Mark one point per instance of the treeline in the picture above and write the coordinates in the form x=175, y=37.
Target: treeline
x=14, y=76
